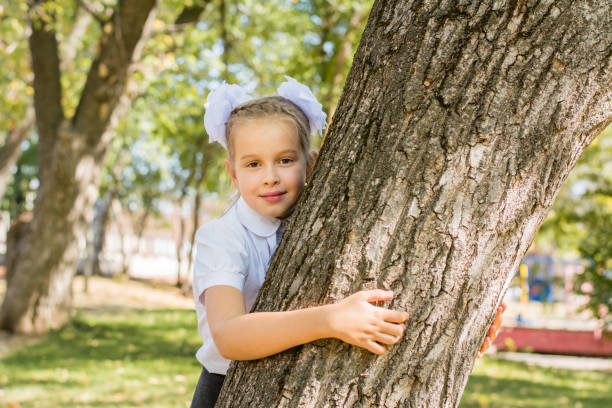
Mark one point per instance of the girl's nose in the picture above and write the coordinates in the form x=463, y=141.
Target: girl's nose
x=271, y=176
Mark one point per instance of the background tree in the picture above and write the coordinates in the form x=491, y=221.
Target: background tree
x=458, y=124
x=72, y=147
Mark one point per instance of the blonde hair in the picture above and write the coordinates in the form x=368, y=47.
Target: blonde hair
x=271, y=106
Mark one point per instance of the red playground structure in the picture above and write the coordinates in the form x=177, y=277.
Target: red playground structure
x=544, y=314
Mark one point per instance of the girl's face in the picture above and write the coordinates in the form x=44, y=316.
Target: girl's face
x=268, y=166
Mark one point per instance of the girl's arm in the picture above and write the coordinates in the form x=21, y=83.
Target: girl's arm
x=239, y=335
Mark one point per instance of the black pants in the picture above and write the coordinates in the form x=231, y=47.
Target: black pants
x=207, y=390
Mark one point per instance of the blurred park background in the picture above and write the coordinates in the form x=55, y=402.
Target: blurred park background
x=132, y=338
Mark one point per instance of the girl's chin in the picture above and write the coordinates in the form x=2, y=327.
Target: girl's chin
x=287, y=213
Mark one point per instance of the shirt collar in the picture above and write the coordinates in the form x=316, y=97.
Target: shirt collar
x=260, y=225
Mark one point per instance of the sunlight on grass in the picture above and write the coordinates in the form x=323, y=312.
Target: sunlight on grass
x=145, y=358
x=498, y=383
x=133, y=359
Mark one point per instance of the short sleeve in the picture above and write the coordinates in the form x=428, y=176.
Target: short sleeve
x=221, y=258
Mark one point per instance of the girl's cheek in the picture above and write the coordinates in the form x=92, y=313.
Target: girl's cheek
x=301, y=177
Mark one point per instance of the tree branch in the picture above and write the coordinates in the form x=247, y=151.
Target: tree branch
x=344, y=50
x=92, y=13
x=11, y=150
x=227, y=44
x=47, y=87
x=119, y=45
x=191, y=14
x=71, y=43
x=186, y=18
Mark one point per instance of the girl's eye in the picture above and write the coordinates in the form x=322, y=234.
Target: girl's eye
x=286, y=160
x=252, y=164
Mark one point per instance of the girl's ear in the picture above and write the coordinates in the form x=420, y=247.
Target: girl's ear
x=232, y=172
x=309, y=167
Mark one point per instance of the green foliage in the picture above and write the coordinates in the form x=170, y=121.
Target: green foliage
x=159, y=148
x=580, y=224
x=585, y=195
x=263, y=41
x=596, y=281
x=21, y=190
x=15, y=74
x=16, y=81
x=135, y=173
x=16, y=84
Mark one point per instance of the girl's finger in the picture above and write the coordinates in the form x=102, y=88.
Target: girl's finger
x=392, y=329
x=385, y=338
x=497, y=321
x=394, y=316
x=375, y=348
x=492, y=331
x=375, y=295
x=485, y=344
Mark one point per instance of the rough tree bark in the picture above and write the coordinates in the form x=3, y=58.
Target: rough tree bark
x=71, y=151
x=458, y=123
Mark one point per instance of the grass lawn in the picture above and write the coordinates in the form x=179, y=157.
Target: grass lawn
x=136, y=358
x=498, y=383
x=143, y=357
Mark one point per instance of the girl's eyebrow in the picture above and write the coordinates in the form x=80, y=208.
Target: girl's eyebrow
x=288, y=151
x=246, y=156
x=293, y=151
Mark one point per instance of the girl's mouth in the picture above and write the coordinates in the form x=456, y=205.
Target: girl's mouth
x=273, y=197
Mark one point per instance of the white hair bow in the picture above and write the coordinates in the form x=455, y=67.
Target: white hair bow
x=302, y=96
x=222, y=101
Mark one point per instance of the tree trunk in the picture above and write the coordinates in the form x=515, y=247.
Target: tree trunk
x=97, y=232
x=71, y=153
x=181, y=234
x=344, y=50
x=136, y=230
x=100, y=232
x=186, y=285
x=140, y=228
x=458, y=124
x=122, y=229
x=14, y=240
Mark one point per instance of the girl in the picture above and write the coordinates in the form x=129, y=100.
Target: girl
x=269, y=161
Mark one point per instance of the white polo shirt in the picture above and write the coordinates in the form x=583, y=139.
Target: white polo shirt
x=234, y=250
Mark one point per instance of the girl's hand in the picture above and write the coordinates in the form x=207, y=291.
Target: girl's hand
x=356, y=321
x=493, y=330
